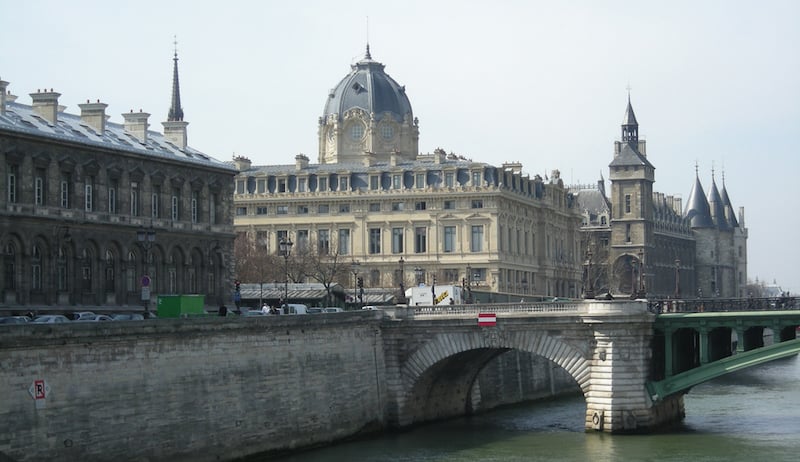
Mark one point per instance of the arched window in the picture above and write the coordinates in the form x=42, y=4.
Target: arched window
x=36, y=269
x=10, y=268
x=110, y=271
x=86, y=263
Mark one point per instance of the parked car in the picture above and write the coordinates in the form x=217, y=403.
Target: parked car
x=95, y=318
x=50, y=319
x=370, y=307
x=127, y=317
x=332, y=309
x=314, y=311
x=254, y=313
x=15, y=320
x=79, y=315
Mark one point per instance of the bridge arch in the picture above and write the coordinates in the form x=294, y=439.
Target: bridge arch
x=438, y=378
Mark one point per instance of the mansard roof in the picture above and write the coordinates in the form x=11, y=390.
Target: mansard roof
x=22, y=119
x=697, y=210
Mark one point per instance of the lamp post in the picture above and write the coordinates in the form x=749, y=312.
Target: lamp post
x=402, y=299
x=419, y=272
x=146, y=238
x=468, y=280
x=354, y=265
x=642, y=292
x=589, y=292
x=285, y=247
x=59, y=266
x=677, y=277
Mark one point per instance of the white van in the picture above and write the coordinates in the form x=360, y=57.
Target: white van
x=295, y=308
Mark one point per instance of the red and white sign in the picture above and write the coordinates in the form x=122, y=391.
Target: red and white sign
x=39, y=390
x=487, y=319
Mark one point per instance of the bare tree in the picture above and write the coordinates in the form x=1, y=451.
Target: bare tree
x=327, y=268
x=253, y=263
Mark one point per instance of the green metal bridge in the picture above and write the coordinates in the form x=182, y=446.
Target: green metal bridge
x=698, y=340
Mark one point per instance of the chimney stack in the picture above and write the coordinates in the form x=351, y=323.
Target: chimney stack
x=175, y=132
x=300, y=161
x=94, y=115
x=136, y=124
x=45, y=103
x=3, y=86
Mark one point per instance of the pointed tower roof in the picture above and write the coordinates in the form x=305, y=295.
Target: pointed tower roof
x=630, y=117
x=175, y=110
x=726, y=202
x=697, y=211
x=717, y=207
x=630, y=127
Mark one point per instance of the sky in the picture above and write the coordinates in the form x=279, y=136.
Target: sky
x=715, y=85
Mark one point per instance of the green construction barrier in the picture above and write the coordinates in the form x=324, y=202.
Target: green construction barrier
x=176, y=306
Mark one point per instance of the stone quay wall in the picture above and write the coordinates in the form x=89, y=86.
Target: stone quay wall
x=188, y=389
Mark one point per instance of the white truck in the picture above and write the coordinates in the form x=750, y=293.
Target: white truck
x=424, y=295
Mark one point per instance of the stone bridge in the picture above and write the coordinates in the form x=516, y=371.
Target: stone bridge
x=212, y=388
x=432, y=362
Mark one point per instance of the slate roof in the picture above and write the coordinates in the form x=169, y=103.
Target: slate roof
x=717, y=207
x=368, y=87
x=629, y=118
x=697, y=210
x=726, y=202
x=630, y=156
x=22, y=119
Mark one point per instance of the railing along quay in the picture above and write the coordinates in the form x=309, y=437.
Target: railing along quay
x=700, y=305
x=497, y=308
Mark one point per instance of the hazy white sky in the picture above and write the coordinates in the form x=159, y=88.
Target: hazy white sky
x=541, y=82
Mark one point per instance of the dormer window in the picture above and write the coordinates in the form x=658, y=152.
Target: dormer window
x=387, y=131
x=357, y=132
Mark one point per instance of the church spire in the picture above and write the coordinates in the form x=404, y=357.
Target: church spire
x=630, y=127
x=175, y=110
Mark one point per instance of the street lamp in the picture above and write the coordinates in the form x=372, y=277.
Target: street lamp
x=419, y=272
x=642, y=292
x=402, y=299
x=677, y=277
x=468, y=280
x=285, y=246
x=146, y=238
x=354, y=265
x=589, y=292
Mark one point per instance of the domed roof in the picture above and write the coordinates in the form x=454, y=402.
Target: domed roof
x=368, y=87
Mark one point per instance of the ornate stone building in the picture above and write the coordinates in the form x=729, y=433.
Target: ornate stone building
x=90, y=207
x=373, y=198
x=638, y=241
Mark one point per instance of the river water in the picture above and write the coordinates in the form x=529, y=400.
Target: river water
x=752, y=415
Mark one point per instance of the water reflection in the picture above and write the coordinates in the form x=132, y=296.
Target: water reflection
x=748, y=416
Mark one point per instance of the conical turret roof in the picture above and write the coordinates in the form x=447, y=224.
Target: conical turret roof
x=697, y=210
x=717, y=207
x=726, y=202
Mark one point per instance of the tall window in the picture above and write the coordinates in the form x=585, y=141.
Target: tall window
x=212, y=210
x=449, y=179
x=628, y=232
x=62, y=270
x=65, y=191
x=154, y=200
x=375, y=240
x=176, y=194
x=343, y=183
x=322, y=184
x=302, y=239
x=112, y=196
x=449, y=239
x=419, y=180
x=344, y=242
x=88, y=194
x=397, y=240
x=12, y=183
x=36, y=269
x=281, y=235
x=373, y=182
x=261, y=186
x=195, y=205
x=323, y=241
x=39, y=186
x=110, y=273
x=476, y=178
x=301, y=184
x=627, y=203
x=420, y=240
x=10, y=269
x=476, y=241
x=397, y=181
x=282, y=185
x=420, y=205
x=134, y=199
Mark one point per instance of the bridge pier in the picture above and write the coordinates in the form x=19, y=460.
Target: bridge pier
x=616, y=396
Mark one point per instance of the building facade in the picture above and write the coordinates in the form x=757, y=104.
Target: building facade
x=374, y=199
x=640, y=242
x=106, y=215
